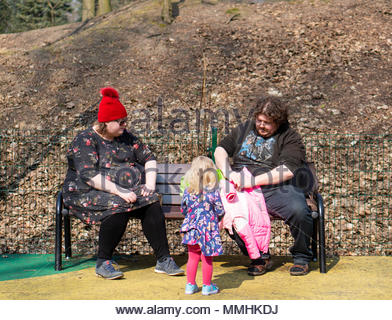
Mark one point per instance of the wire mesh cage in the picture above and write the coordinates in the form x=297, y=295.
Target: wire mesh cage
x=32, y=169
x=354, y=172
x=355, y=177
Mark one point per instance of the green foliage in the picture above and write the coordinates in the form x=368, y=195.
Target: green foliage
x=5, y=14
x=25, y=15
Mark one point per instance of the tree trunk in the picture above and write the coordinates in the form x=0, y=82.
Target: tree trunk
x=104, y=6
x=88, y=10
x=52, y=12
x=167, y=11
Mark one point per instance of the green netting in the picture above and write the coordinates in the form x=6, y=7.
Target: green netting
x=20, y=266
x=354, y=172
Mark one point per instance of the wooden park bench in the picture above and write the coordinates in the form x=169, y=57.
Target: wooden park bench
x=168, y=184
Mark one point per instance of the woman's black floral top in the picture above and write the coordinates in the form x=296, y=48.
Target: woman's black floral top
x=120, y=161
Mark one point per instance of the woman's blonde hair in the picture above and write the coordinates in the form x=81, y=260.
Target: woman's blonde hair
x=201, y=176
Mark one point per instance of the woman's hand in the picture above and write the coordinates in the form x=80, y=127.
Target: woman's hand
x=100, y=183
x=147, y=190
x=127, y=195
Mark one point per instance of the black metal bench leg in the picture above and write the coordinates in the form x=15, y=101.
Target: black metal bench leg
x=58, y=237
x=322, y=262
x=314, y=239
x=67, y=237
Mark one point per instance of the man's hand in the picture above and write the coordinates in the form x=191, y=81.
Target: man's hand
x=248, y=181
x=241, y=180
x=235, y=177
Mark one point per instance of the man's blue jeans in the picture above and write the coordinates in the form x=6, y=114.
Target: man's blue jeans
x=289, y=203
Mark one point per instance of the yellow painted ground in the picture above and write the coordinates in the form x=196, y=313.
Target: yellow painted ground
x=351, y=278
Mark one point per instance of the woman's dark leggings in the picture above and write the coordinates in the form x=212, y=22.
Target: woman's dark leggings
x=153, y=225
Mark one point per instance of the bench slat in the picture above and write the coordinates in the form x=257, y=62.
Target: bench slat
x=171, y=199
x=173, y=168
x=168, y=188
x=170, y=178
x=168, y=184
x=172, y=212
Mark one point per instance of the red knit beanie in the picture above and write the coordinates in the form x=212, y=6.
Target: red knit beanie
x=110, y=107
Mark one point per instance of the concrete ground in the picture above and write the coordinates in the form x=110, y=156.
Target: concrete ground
x=353, y=278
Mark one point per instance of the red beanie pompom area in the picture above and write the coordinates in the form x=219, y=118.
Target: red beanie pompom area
x=110, y=107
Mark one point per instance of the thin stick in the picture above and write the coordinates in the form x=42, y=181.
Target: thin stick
x=203, y=97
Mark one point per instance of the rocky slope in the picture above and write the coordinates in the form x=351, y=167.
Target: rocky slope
x=330, y=60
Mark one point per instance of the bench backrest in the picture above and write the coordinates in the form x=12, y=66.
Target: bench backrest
x=168, y=185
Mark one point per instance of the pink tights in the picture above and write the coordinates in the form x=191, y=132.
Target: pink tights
x=194, y=255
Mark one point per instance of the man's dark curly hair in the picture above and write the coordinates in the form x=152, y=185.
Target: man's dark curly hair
x=273, y=108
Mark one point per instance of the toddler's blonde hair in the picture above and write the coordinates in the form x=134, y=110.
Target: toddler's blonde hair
x=201, y=176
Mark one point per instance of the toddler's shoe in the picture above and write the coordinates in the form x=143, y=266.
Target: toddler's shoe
x=211, y=289
x=191, y=288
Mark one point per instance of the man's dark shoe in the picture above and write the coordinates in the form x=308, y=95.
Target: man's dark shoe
x=299, y=269
x=268, y=264
x=258, y=268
